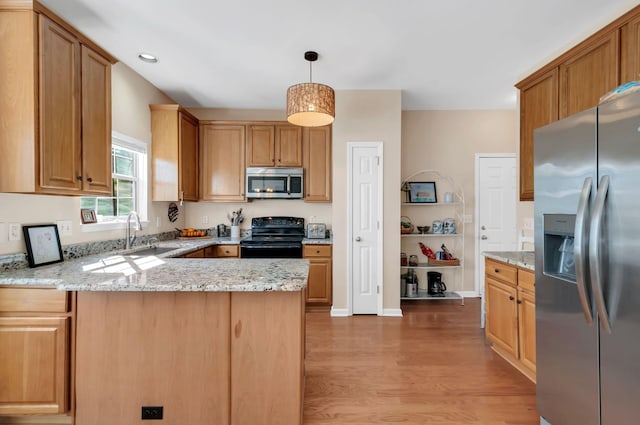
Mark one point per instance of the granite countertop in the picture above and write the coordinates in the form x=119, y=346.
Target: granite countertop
x=524, y=259
x=326, y=241
x=126, y=271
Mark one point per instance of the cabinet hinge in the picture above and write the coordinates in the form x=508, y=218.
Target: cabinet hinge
x=377, y=160
x=378, y=289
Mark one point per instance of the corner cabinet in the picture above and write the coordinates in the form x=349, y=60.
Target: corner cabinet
x=174, y=161
x=511, y=314
x=35, y=347
x=423, y=213
x=55, y=105
x=222, y=162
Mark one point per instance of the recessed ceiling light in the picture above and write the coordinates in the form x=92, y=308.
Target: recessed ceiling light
x=147, y=57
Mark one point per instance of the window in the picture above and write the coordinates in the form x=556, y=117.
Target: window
x=128, y=168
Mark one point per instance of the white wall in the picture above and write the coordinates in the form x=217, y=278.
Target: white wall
x=367, y=115
x=131, y=96
x=447, y=141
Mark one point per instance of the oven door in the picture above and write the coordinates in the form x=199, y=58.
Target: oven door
x=271, y=251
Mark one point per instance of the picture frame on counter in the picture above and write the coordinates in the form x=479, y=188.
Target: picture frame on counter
x=43, y=244
x=88, y=216
x=422, y=192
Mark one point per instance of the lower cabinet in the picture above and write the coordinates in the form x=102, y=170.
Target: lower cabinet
x=319, y=285
x=228, y=358
x=217, y=251
x=35, y=351
x=511, y=314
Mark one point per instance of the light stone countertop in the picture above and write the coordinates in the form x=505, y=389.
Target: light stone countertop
x=125, y=271
x=327, y=241
x=524, y=259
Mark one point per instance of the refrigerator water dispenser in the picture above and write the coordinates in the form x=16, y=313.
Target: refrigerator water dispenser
x=558, y=246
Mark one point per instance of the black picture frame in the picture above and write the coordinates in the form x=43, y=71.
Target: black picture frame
x=43, y=244
x=422, y=193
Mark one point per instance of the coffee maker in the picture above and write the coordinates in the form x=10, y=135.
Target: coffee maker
x=435, y=285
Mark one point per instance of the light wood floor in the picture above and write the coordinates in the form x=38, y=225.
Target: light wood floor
x=432, y=366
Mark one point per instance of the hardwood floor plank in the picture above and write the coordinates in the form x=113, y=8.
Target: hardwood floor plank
x=432, y=366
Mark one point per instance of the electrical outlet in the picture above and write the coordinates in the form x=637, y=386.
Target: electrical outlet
x=14, y=232
x=64, y=227
x=205, y=219
x=152, y=412
x=467, y=218
x=158, y=221
x=528, y=223
x=313, y=219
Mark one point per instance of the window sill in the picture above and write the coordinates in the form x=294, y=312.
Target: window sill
x=107, y=225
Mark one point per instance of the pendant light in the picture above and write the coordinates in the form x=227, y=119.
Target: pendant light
x=310, y=104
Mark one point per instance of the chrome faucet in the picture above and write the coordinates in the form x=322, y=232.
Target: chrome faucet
x=137, y=226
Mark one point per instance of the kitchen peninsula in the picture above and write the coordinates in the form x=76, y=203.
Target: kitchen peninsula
x=209, y=340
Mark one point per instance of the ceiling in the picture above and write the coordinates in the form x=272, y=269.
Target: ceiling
x=243, y=54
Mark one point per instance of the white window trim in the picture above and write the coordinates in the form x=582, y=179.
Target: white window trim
x=121, y=223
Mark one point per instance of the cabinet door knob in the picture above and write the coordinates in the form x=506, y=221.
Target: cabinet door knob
x=511, y=298
x=317, y=251
x=358, y=238
x=79, y=178
x=89, y=179
x=496, y=270
x=484, y=237
x=519, y=301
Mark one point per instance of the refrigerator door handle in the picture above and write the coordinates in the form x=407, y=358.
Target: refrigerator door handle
x=594, y=253
x=580, y=249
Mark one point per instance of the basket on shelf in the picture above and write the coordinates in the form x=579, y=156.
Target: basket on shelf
x=454, y=262
x=405, y=225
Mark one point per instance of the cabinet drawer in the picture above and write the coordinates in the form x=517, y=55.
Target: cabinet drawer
x=195, y=254
x=316, y=251
x=526, y=279
x=227, y=250
x=33, y=299
x=502, y=271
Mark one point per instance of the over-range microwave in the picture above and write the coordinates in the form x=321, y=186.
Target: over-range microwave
x=275, y=182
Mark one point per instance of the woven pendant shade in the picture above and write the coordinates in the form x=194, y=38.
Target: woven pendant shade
x=311, y=104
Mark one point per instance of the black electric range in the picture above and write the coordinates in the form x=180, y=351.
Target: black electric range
x=274, y=237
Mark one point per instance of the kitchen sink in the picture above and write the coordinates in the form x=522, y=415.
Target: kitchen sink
x=151, y=251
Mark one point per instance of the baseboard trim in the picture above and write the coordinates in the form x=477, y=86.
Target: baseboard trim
x=339, y=312
x=392, y=312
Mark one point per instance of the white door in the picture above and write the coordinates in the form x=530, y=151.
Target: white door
x=496, y=209
x=365, y=234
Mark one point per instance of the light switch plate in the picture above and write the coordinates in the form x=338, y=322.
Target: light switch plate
x=64, y=227
x=14, y=232
x=528, y=223
x=205, y=219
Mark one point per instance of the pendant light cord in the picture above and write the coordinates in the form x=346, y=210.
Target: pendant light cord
x=310, y=72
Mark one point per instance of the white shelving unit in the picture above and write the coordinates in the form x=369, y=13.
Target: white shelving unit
x=423, y=214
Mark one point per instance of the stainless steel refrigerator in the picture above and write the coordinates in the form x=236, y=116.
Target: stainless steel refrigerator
x=587, y=239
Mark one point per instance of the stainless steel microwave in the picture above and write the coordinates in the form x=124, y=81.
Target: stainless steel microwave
x=275, y=182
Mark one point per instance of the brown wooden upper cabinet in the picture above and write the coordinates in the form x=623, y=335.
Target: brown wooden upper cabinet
x=630, y=51
x=538, y=107
x=576, y=81
x=317, y=164
x=174, y=163
x=55, y=105
x=277, y=145
x=588, y=74
x=222, y=162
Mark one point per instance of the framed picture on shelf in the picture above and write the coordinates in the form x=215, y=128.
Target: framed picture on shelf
x=422, y=192
x=43, y=244
x=88, y=216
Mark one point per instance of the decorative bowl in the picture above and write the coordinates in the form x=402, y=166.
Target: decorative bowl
x=423, y=229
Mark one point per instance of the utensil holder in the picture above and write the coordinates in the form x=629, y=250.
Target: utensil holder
x=235, y=232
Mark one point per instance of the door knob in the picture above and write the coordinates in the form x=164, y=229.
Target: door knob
x=484, y=237
x=358, y=238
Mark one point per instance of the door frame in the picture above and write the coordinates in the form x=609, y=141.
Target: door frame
x=478, y=257
x=379, y=210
